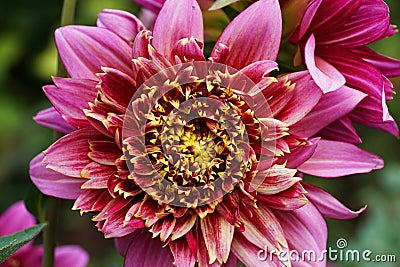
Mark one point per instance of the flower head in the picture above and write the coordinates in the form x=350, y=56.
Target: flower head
x=17, y=218
x=204, y=155
x=332, y=36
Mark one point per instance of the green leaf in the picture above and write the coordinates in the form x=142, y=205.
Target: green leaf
x=9, y=244
x=222, y=3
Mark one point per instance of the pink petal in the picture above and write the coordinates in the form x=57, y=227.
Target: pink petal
x=31, y=257
x=84, y=50
x=69, y=155
x=334, y=159
x=341, y=130
x=182, y=254
x=16, y=218
x=254, y=35
x=328, y=205
x=258, y=70
x=308, y=16
x=53, y=183
x=121, y=23
x=67, y=256
x=390, y=67
x=70, y=97
x=300, y=154
x=146, y=251
x=305, y=229
x=188, y=50
x=50, y=118
x=331, y=107
x=326, y=76
x=177, y=20
x=305, y=96
x=251, y=255
x=153, y=5
x=218, y=234
x=365, y=26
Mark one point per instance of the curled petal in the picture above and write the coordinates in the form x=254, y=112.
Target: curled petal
x=188, y=49
x=326, y=76
x=328, y=205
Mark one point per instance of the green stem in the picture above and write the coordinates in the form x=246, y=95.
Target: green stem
x=49, y=233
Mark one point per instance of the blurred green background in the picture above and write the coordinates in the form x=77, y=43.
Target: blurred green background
x=28, y=59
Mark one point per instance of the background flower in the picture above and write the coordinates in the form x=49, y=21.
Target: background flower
x=17, y=218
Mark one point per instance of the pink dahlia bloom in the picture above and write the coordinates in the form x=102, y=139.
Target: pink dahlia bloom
x=332, y=36
x=17, y=218
x=210, y=190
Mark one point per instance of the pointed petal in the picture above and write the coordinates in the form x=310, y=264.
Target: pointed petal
x=70, y=97
x=305, y=96
x=305, y=229
x=53, y=183
x=331, y=107
x=326, y=76
x=182, y=254
x=152, y=5
x=253, y=35
x=218, y=234
x=334, y=159
x=84, y=50
x=251, y=255
x=390, y=67
x=258, y=70
x=341, y=130
x=146, y=251
x=121, y=23
x=69, y=155
x=177, y=20
x=50, y=118
x=328, y=205
x=67, y=256
x=300, y=154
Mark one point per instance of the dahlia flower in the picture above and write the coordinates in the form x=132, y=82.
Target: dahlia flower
x=332, y=36
x=17, y=218
x=191, y=161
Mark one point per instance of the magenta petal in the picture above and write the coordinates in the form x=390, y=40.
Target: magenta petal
x=334, y=159
x=390, y=67
x=306, y=95
x=259, y=70
x=182, y=254
x=306, y=20
x=53, y=183
x=69, y=155
x=305, y=229
x=300, y=154
x=84, y=50
x=365, y=26
x=70, y=97
x=147, y=251
x=153, y=5
x=331, y=107
x=253, y=35
x=50, y=118
x=341, y=130
x=121, y=23
x=177, y=20
x=328, y=205
x=326, y=76
x=67, y=256
x=15, y=218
